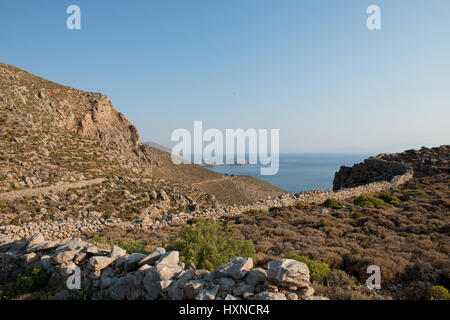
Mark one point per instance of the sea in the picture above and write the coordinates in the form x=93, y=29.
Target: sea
x=299, y=172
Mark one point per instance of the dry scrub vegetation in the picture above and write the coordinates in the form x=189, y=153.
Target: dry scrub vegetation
x=406, y=234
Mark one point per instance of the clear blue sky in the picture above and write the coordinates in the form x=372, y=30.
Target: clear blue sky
x=310, y=68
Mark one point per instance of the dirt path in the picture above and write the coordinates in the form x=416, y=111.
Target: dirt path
x=59, y=187
x=211, y=180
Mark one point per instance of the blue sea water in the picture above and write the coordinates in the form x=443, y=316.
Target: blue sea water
x=299, y=172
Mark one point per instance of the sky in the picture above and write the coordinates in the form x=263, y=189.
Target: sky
x=309, y=68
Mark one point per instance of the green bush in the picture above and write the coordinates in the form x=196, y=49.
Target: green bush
x=31, y=280
x=419, y=194
x=255, y=212
x=331, y=203
x=317, y=270
x=208, y=244
x=368, y=201
x=439, y=293
x=327, y=224
x=388, y=198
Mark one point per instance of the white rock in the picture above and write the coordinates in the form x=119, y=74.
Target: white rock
x=99, y=263
x=288, y=273
x=265, y=295
x=153, y=256
x=236, y=268
x=117, y=252
x=169, y=258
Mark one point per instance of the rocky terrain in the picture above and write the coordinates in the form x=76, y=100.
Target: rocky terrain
x=111, y=273
x=52, y=134
x=76, y=185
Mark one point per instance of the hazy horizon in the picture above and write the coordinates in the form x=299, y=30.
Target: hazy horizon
x=312, y=70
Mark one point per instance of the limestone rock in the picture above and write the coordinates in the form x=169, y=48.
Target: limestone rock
x=99, y=263
x=266, y=295
x=153, y=256
x=117, y=252
x=256, y=276
x=236, y=268
x=288, y=273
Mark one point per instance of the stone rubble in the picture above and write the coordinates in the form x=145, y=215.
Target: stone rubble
x=113, y=274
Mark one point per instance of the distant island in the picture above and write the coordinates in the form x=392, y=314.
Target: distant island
x=236, y=162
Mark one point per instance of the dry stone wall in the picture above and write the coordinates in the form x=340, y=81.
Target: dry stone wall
x=101, y=272
x=77, y=227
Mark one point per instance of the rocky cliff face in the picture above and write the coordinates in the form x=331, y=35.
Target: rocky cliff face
x=43, y=106
x=371, y=170
x=385, y=167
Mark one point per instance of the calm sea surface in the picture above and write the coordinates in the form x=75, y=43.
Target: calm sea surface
x=299, y=172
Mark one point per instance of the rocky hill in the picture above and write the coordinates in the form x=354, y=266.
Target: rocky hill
x=76, y=183
x=53, y=134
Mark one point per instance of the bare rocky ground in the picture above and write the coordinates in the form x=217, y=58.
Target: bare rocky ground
x=72, y=166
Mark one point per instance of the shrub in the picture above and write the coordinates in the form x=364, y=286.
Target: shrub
x=254, y=212
x=318, y=270
x=388, y=198
x=331, y=203
x=208, y=244
x=300, y=205
x=327, y=224
x=368, y=201
x=419, y=194
x=339, y=279
x=31, y=280
x=439, y=293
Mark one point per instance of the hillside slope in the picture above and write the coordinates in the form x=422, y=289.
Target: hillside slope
x=53, y=134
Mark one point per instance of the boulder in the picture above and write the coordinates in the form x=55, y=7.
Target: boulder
x=117, y=252
x=132, y=261
x=243, y=288
x=117, y=289
x=169, y=258
x=230, y=297
x=175, y=291
x=151, y=283
x=317, y=298
x=34, y=241
x=99, y=263
x=288, y=273
x=153, y=256
x=256, y=276
x=190, y=289
x=226, y=284
x=166, y=271
x=266, y=295
x=207, y=294
x=236, y=268
x=64, y=257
